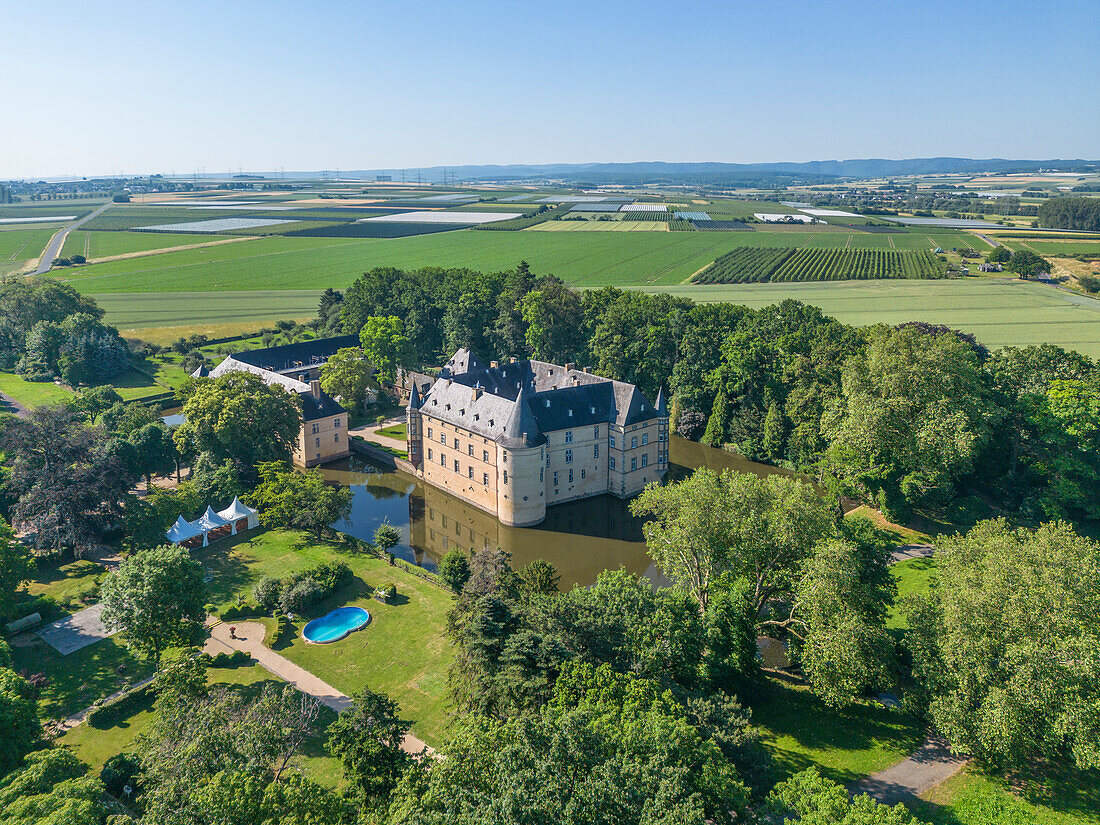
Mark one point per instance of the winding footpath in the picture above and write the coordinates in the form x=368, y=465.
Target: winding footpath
x=931, y=763
x=249, y=636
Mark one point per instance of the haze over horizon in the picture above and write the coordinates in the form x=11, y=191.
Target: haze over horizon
x=132, y=88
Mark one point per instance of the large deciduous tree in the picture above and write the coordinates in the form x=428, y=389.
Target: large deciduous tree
x=16, y=567
x=1007, y=645
x=156, y=596
x=367, y=739
x=238, y=416
x=385, y=344
x=19, y=725
x=347, y=375
x=304, y=500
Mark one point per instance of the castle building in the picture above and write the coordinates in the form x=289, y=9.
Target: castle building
x=296, y=367
x=515, y=438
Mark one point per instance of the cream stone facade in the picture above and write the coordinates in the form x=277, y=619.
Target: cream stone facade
x=295, y=367
x=513, y=439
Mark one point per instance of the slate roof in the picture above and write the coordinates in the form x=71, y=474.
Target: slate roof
x=305, y=353
x=532, y=397
x=315, y=408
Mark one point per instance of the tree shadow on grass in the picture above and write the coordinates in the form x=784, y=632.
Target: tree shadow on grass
x=789, y=711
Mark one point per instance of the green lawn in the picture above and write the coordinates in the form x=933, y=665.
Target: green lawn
x=397, y=431
x=914, y=577
x=33, y=393
x=845, y=744
x=1041, y=800
x=96, y=745
x=64, y=581
x=77, y=680
x=402, y=652
x=1000, y=312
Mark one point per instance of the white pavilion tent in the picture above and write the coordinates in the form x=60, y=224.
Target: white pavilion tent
x=183, y=531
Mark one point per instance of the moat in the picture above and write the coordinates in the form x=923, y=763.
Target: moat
x=581, y=539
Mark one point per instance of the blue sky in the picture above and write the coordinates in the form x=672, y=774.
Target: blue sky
x=96, y=88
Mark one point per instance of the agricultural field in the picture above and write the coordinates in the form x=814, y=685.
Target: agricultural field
x=626, y=225
x=1052, y=247
x=749, y=265
x=107, y=244
x=20, y=245
x=999, y=311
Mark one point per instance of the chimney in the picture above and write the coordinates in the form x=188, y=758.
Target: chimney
x=511, y=359
x=315, y=389
x=494, y=365
x=586, y=369
x=576, y=381
x=569, y=365
x=477, y=393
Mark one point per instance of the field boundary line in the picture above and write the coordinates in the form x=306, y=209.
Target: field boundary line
x=125, y=256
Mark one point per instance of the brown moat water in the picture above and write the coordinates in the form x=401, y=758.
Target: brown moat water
x=581, y=539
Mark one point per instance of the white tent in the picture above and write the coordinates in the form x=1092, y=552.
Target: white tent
x=209, y=521
x=237, y=511
x=182, y=530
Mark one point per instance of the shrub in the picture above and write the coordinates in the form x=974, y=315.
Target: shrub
x=278, y=631
x=267, y=592
x=110, y=713
x=454, y=569
x=1090, y=283
x=210, y=608
x=301, y=595
x=390, y=591
x=118, y=772
x=45, y=606
x=237, y=658
x=240, y=611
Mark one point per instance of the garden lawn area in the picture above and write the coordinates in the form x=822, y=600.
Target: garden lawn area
x=914, y=577
x=402, y=651
x=77, y=680
x=33, y=393
x=96, y=745
x=398, y=432
x=844, y=744
x=1042, y=800
x=63, y=581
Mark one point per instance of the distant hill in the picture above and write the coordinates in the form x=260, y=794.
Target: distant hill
x=760, y=174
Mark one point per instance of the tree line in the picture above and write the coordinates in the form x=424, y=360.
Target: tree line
x=907, y=418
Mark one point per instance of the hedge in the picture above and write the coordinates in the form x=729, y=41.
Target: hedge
x=110, y=713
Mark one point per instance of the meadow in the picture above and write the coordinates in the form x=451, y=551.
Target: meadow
x=20, y=245
x=999, y=311
x=580, y=258
x=107, y=244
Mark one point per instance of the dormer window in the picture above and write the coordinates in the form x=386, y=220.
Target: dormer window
x=546, y=401
x=592, y=410
x=570, y=412
x=477, y=417
x=448, y=406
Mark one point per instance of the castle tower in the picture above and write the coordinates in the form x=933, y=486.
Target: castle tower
x=521, y=491
x=662, y=433
x=414, y=436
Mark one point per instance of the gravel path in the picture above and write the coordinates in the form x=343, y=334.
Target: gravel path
x=928, y=766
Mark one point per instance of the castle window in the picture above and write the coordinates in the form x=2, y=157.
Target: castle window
x=456, y=442
x=470, y=449
x=568, y=456
x=317, y=442
x=645, y=439
x=582, y=473
x=546, y=402
x=570, y=476
x=541, y=475
x=570, y=412
x=336, y=423
x=456, y=465
x=442, y=438
x=595, y=450
x=429, y=454
x=612, y=441
x=611, y=463
x=485, y=479
x=316, y=428
x=645, y=460
x=568, y=436
x=547, y=461
x=595, y=430
x=471, y=471
x=505, y=476
x=633, y=441
x=443, y=459
x=485, y=456
x=555, y=479
x=634, y=464
x=430, y=432
x=336, y=437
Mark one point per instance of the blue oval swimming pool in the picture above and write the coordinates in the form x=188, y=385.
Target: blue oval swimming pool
x=335, y=625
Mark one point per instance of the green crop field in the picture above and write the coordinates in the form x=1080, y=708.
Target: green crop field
x=599, y=226
x=19, y=245
x=208, y=310
x=756, y=265
x=1000, y=312
x=106, y=244
x=1070, y=247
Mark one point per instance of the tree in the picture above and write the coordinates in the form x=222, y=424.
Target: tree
x=454, y=569
x=367, y=739
x=1027, y=264
x=238, y=416
x=16, y=567
x=289, y=499
x=385, y=345
x=554, y=317
x=1005, y=646
x=20, y=729
x=52, y=788
x=155, y=450
x=539, y=577
x=386, y=537
x=1000, y=255
x=347, y=375
x=156, y=596
x=810, y=798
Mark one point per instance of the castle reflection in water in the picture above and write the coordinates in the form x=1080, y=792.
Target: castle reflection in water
x=581, y=539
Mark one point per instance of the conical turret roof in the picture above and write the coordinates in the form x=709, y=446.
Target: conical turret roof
x=414, y=398
x=661, y=406
x=521, y=429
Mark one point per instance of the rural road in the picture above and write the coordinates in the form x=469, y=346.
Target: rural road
x=53, y=248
